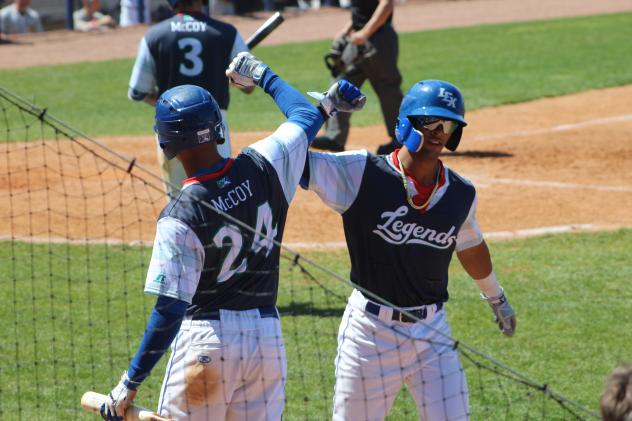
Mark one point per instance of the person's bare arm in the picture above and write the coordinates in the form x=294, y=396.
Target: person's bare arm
x=151, y=99
x=476, y=261
x=379, y=17
x=245, y=89
x=345, y=30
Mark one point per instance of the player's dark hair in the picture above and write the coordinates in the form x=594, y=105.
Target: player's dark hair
x=616, y=400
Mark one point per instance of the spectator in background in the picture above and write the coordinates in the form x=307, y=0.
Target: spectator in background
x=369, y=29
x=19, y=18
x=89, y=17
x=130, y=13
x=616, y=400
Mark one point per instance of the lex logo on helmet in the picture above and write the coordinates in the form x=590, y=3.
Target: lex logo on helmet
x=447, y=97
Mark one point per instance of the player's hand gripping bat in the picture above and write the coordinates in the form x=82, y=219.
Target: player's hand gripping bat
x=264, y=30
x=91, y=401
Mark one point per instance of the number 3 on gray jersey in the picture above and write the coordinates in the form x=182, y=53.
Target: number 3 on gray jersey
x=192, y=48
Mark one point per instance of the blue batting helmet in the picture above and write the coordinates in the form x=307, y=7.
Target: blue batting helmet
x=187, y=116
x=172, y=3
x=434, y=98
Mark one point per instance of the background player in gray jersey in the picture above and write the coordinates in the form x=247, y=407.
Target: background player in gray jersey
x=188, y=49
x=374, y=42
x=216, y=280
x=404, y=214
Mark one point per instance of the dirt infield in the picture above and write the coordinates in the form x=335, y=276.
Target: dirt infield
x=557, y=162
x=552, y=164
x=548, y=165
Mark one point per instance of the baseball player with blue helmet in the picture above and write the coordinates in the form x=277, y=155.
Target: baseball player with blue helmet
x=404, y=214
x=190, y=48
x=216, y=280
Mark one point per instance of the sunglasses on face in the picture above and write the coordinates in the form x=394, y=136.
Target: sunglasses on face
x=431, y=123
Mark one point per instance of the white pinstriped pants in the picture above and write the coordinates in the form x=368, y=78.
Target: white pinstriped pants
x=376, y=356
x=229, y=369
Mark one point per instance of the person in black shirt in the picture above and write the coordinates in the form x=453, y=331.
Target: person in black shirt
x=370, y=29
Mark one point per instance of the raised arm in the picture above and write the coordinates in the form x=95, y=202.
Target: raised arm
x=286, y=148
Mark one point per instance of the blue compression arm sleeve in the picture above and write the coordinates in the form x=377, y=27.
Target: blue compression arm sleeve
x=292, y=104
x=162, y=328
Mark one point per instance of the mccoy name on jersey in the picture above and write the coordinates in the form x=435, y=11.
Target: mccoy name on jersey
x=241, y=190
x=229, y=266
x=187, y=49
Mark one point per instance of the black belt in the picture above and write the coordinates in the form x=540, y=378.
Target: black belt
x=264, y=312
x=420, y=314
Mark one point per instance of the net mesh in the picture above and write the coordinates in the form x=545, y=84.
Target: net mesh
x=79, y=220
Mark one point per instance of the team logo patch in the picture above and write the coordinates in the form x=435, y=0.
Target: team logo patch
x=447, y=97
x=204, y=359
x=223, y=182
x=204, y=136
x=160, y=278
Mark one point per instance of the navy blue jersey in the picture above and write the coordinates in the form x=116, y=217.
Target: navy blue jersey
x=404, y=255
x=208, y=260
x=396, y=252
x=191, y=49
x=240, y=271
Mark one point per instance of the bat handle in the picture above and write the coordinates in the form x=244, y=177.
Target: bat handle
x=149, y=416
x=91, y=401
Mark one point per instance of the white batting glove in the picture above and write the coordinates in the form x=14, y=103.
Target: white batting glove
x=113, y=409
x=342, y=96
x=246, y=70
x=503, y=313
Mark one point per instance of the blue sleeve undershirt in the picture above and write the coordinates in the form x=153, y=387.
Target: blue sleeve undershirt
x=162, y=327
x=292, y=104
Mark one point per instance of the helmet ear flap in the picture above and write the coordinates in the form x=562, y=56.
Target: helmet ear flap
x=407, y=135
x=401, y=129
x=454, y=140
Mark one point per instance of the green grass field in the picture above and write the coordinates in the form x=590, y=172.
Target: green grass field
x=494, y=64
x=73, y=315
x=74, y=318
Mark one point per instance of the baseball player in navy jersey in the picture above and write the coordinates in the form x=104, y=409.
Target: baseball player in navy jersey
x=188, y=49
x=404, y=214
x=217, y=281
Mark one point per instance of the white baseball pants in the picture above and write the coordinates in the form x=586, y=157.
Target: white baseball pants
x=376, y=355
x=229, y=369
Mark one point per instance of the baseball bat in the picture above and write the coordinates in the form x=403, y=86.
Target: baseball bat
x=264, y=30
x=91, y=402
